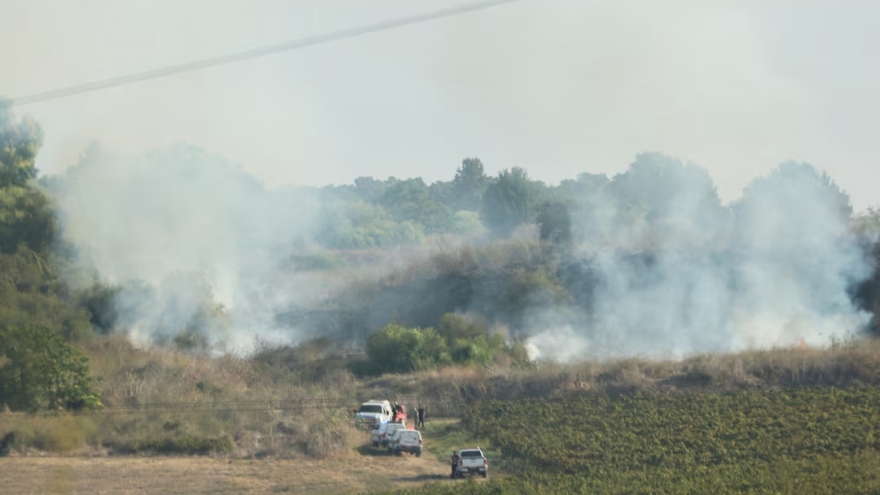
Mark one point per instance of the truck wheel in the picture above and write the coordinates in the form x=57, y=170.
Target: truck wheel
x=419, y=453
x=484, y=475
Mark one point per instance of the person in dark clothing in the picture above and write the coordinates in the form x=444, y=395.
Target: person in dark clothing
x=420, y=421
x=455, y=459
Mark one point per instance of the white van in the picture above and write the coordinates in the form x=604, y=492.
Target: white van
x=388, y=431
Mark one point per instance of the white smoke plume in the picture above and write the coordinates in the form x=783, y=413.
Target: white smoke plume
x=677, y=273
x=192, y=239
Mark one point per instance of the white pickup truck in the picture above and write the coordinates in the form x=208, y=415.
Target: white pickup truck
x=472, y=461
x=373, y=413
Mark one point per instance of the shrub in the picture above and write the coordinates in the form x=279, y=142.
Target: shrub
x=38, y=370
x=397, y=349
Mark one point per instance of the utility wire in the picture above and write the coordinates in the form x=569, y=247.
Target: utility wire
x=250, y=53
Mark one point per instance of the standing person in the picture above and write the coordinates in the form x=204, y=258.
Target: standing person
x=421, y=417
x=455, y=459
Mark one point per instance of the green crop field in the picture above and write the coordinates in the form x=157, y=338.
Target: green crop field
x=804, y=441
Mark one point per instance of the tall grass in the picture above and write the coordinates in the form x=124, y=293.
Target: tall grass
x=288, y=402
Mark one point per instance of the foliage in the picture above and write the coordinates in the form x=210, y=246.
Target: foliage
x=554, y=221
x=666, y=189
x=458, y=340
x=183, y=444
x=39, y=370
x=411, y=201
x=470, y=184
x=509, y=201
x=681, y=431
x=20, y=139
x=806, y=441
x=26, y=216
x=469, y=340
x=397, y=349
x=361, y=225
x=30, y=294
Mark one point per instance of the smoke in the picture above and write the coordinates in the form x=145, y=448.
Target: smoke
x=193, y=243
x=203, y=255
x=678, y=273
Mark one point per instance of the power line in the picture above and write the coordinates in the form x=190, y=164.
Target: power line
x=250, y=53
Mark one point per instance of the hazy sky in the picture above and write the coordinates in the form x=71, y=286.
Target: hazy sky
x=557, y=86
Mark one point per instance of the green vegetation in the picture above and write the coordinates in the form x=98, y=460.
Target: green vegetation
x=397, y=349
x=38, y=370
x=805, y=441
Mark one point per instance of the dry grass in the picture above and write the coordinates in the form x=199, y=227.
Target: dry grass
x=226, y=398
x=851, y=364
x=197, y=475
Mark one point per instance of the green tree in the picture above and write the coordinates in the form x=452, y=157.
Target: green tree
x=469, y=340
x=39, y=370
x=397, y=349
x=26, y=215
x=666, y=189
x=411, y=201
x=359, y=225
x=370, y=189
x=469, y=184
x=20, y=140
x=30, y=294
x=555, y=223
x=509, y=201
x=26, y=218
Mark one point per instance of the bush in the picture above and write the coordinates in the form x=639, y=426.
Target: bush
x=39, y=370
x=186, y=444
x=397, y=349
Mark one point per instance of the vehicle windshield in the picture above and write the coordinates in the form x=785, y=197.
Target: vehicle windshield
x=370, y=408
x=471, y=453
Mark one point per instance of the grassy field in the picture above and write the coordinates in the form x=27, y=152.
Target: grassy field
x=198, y=475
x=801, y=441
x=363, y=469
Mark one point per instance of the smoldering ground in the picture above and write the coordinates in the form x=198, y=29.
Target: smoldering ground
x=656, y=264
